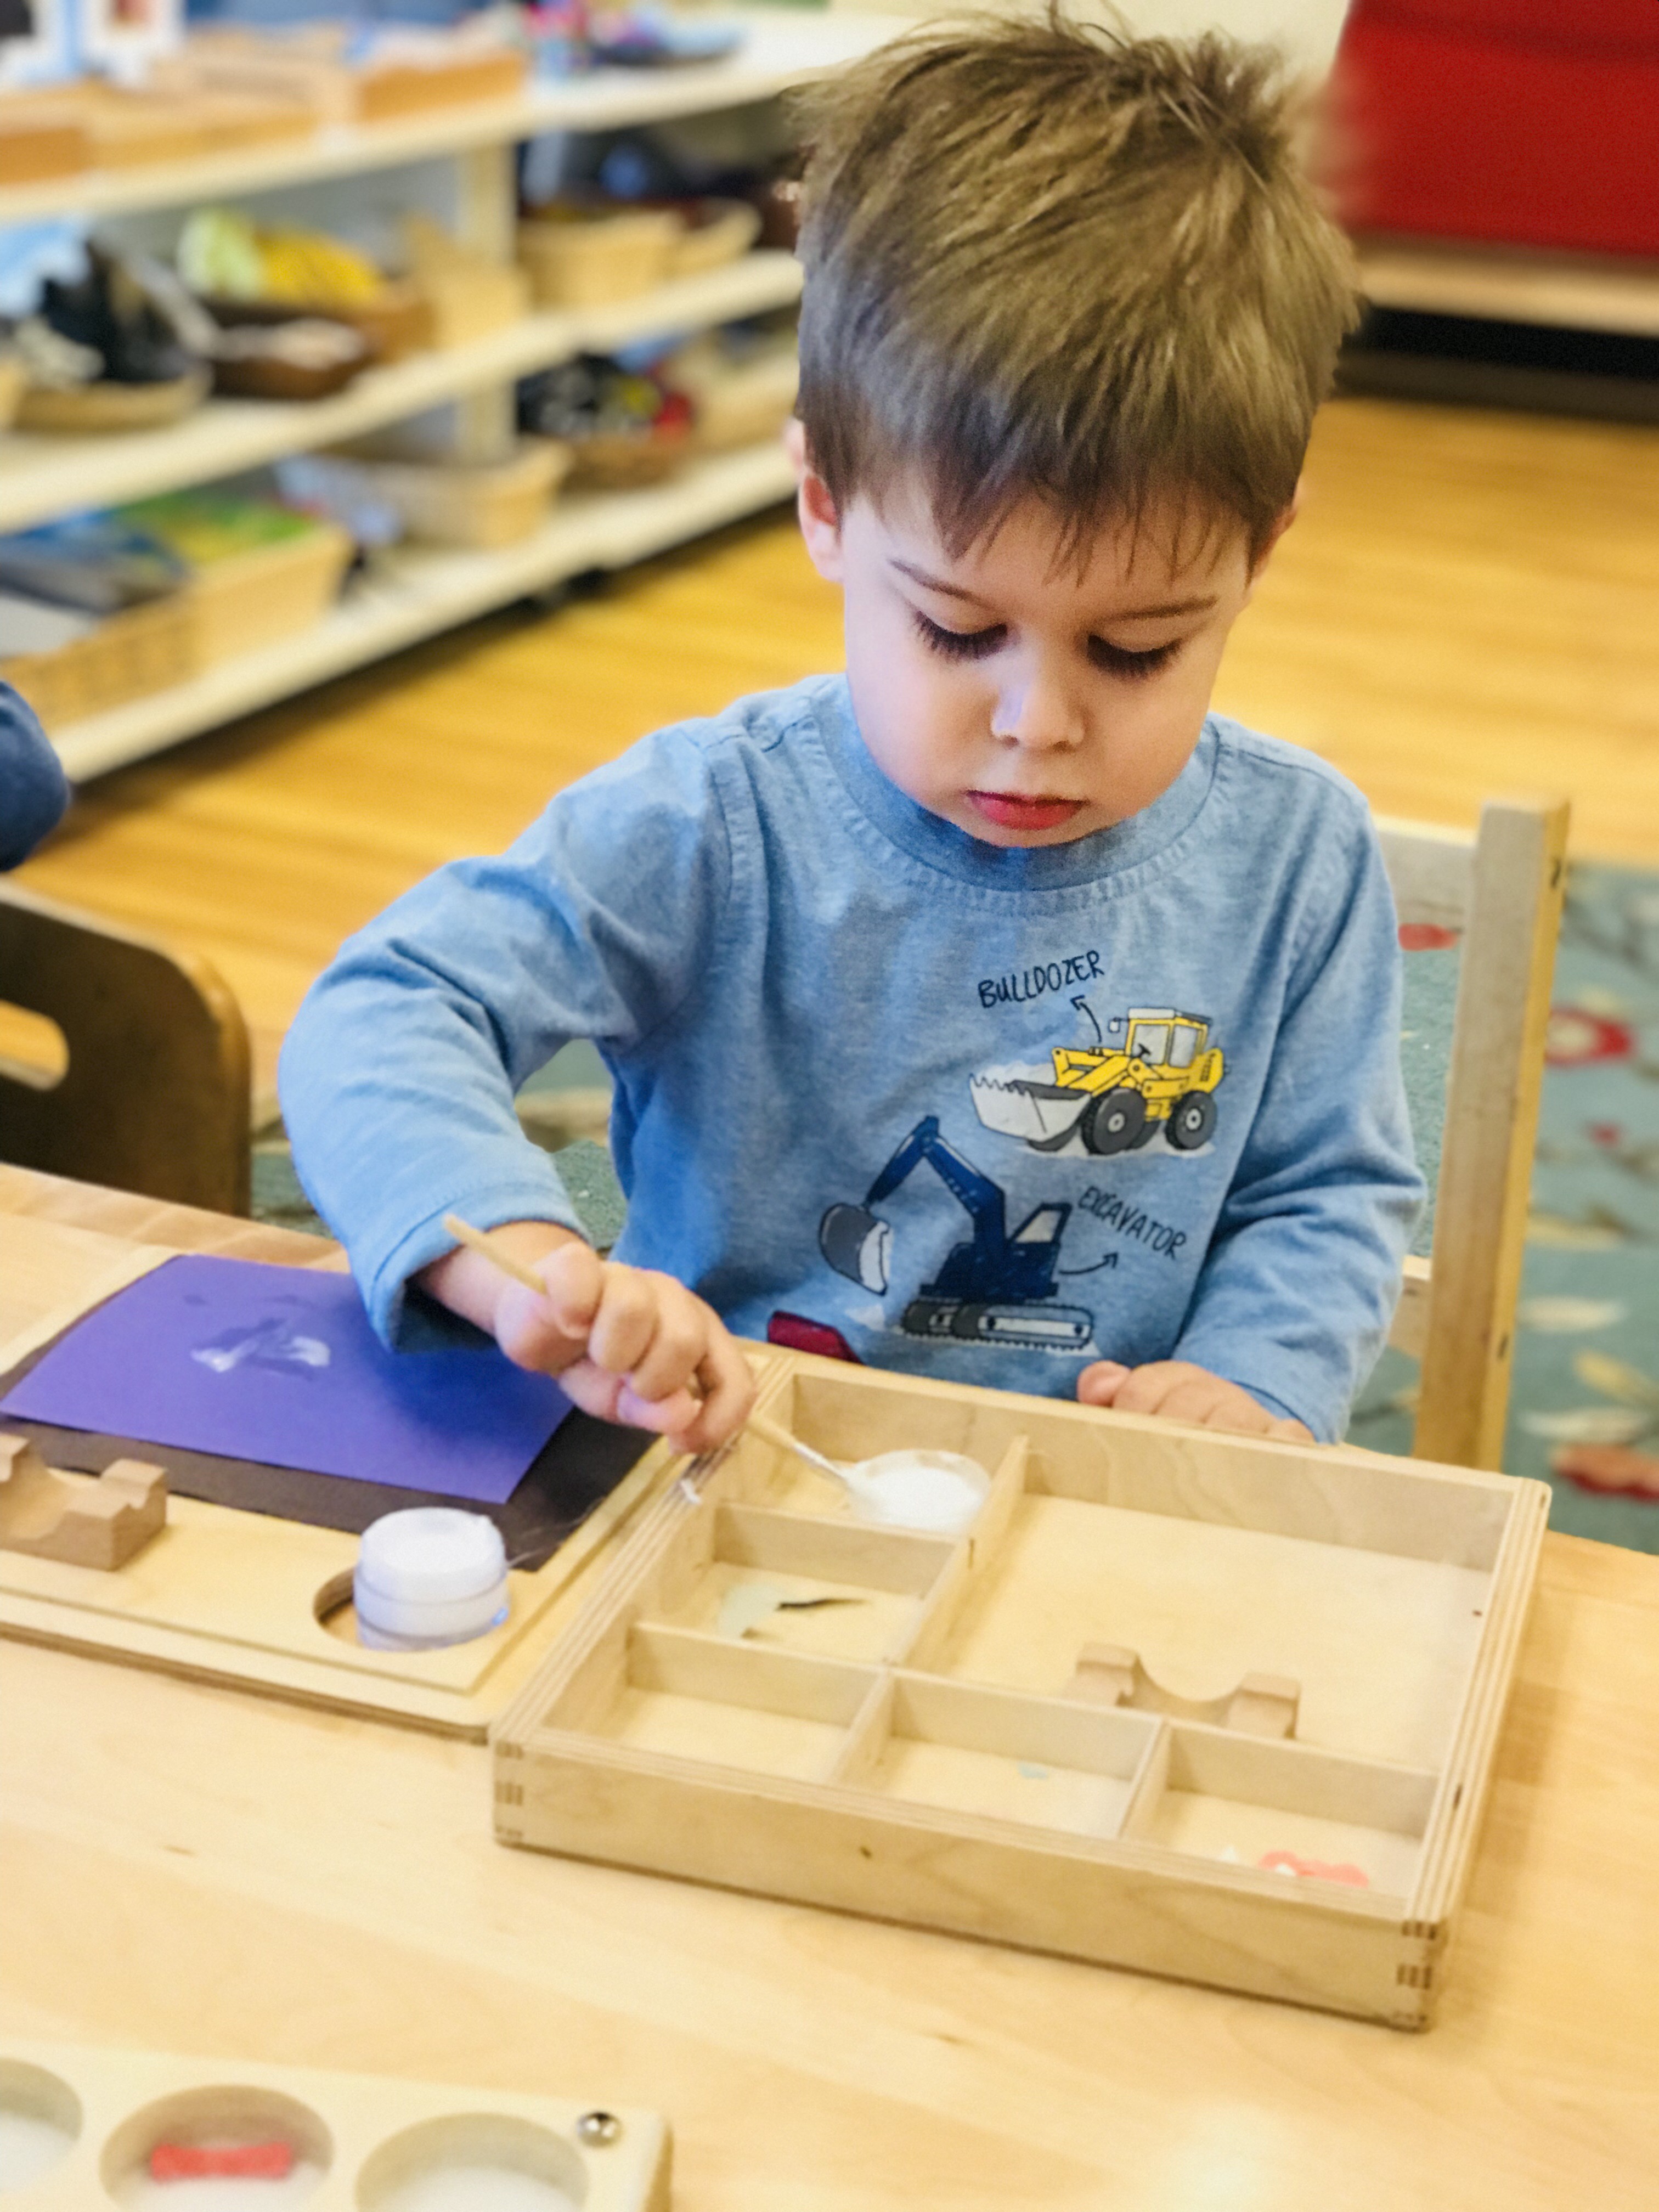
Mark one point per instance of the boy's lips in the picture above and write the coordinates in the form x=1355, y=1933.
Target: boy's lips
x=1009, y=812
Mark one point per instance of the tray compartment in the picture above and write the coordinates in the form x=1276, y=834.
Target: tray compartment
x=1382, y=1644
x=1040, y=1761
x=1211, y=1793
x=878, y=1580
x=677, y=1695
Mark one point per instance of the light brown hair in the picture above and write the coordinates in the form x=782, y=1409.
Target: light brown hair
x=1047, y=257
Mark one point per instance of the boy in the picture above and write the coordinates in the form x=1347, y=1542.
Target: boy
x=992, y=1012
x=33, y=789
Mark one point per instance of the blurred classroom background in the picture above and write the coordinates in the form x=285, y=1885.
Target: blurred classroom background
x=394, y=401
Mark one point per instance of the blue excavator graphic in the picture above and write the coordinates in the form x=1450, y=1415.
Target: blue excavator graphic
x=994, y=1288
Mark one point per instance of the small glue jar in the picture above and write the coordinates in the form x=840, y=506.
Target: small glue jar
x=429, y=1577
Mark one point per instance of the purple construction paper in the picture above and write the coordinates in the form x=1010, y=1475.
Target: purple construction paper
x=280, y=1364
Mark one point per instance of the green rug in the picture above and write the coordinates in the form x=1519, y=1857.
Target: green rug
x=1584, y=1409
x=1584, y=1406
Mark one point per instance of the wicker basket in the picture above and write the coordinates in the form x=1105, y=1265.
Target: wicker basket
x=245, y=600
x=748, y=403
x=110, y=407
x=13, y=382
x=141, y=650
x=583, y=260
x=476, y=504
x=719, y=231
x=627, y=460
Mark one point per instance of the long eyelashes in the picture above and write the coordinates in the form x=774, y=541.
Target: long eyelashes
x=957, y=644
x=979, y=644
x=1118, y=660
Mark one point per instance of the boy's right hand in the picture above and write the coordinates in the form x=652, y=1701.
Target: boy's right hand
x=626, y=1344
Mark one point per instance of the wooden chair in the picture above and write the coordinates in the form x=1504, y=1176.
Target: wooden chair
x=156, y=1093
x=1501, y=890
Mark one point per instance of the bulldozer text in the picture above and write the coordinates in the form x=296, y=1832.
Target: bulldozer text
x=1036, y=983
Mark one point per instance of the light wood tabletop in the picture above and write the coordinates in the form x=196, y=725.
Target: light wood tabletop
x=191, y=1869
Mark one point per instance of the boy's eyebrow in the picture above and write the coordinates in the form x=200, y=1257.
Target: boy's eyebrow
x=1161, y=613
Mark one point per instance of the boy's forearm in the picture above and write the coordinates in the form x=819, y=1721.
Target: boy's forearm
x=467, y=1284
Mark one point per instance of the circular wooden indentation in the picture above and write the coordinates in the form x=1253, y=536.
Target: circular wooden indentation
x=40, y=2123
x=474, y=2162
x=335, y=1609
x=219, y=2117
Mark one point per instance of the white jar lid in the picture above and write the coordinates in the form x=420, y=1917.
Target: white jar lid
x=433, y=1569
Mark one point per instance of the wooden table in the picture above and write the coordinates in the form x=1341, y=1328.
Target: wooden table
x=189, y=1869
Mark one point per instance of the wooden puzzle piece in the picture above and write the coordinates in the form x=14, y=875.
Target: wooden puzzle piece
x=1112, y=1675
x=102, y=1524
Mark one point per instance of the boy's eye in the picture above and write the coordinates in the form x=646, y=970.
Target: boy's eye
x=958, y=644
x=1118, y=660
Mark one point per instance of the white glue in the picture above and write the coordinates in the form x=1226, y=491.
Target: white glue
x=937, y=1491
x=29, y=2147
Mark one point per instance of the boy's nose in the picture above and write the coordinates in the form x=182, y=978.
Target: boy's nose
x=1038, y=710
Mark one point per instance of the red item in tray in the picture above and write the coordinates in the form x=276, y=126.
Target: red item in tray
x=253, y=2161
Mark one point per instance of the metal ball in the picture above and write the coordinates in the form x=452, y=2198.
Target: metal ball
x=598, y=2129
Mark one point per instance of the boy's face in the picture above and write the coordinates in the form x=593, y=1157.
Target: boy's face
x=1025, y=699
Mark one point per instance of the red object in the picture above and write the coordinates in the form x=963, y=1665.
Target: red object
x=1608, y=1470
x=1577, y=1038
x=795, y=1333
x=1355, y=1877
x=1426, y=937
x=255, y=2161
x=1529, y=121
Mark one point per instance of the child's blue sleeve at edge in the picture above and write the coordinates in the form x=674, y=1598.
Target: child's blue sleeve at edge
x=34, y=792
x=1294, y=1301
x=398, y=1075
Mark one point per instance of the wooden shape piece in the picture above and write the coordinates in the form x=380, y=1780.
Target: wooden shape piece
x=1112, y=1675
x=94, y=1524
x=1264, y=1704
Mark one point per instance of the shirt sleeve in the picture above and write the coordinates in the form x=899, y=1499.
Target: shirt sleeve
x=34, y=792
x=397, y=1077
x=1294, y=1300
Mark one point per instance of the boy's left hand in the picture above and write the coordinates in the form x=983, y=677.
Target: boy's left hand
x=1182, y=1392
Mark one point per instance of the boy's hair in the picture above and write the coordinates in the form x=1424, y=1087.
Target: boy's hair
x=1046, y=258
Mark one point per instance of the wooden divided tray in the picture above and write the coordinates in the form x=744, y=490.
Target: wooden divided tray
x=81, y=2127
x=1203, y=1705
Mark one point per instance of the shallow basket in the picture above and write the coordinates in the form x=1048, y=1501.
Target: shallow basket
x=476, y=504
x=719, y=231
x=112, y=407
x=245, y=600
x=141, y=650
x=585, y=260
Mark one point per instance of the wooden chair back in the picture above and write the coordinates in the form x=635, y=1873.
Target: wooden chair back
x=155, y=1096
x=1501, y=890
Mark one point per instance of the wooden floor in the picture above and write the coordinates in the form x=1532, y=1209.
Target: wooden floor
x=1468, y=603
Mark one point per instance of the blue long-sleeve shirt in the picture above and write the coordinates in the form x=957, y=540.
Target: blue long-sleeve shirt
x=832, y=1020
x=33, y=789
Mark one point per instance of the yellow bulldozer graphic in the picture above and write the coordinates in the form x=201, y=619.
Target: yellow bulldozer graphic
x=1154, y=1069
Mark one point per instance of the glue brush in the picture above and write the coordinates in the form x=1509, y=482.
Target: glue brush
x=489, y=1248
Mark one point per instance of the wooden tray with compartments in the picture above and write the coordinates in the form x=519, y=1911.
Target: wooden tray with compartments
x=81, y=2127
x=1202, y=1705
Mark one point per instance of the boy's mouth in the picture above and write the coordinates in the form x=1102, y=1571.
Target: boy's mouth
x=1009, y=812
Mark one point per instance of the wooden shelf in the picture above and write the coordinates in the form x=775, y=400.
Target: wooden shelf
x=782, y=47
x=45, y=475
x=419, y=591
x=1510, y=285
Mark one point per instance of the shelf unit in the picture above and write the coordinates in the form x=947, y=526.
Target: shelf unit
x=1511, y=284
x=418, y=592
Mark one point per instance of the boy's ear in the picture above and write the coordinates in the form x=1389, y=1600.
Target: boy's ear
x=820, y=523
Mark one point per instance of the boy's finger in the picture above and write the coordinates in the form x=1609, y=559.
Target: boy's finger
x=1099, y=1383
x=728, y=1393
x=626, y=1321
x=574, y=1276
x=673, y=1355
